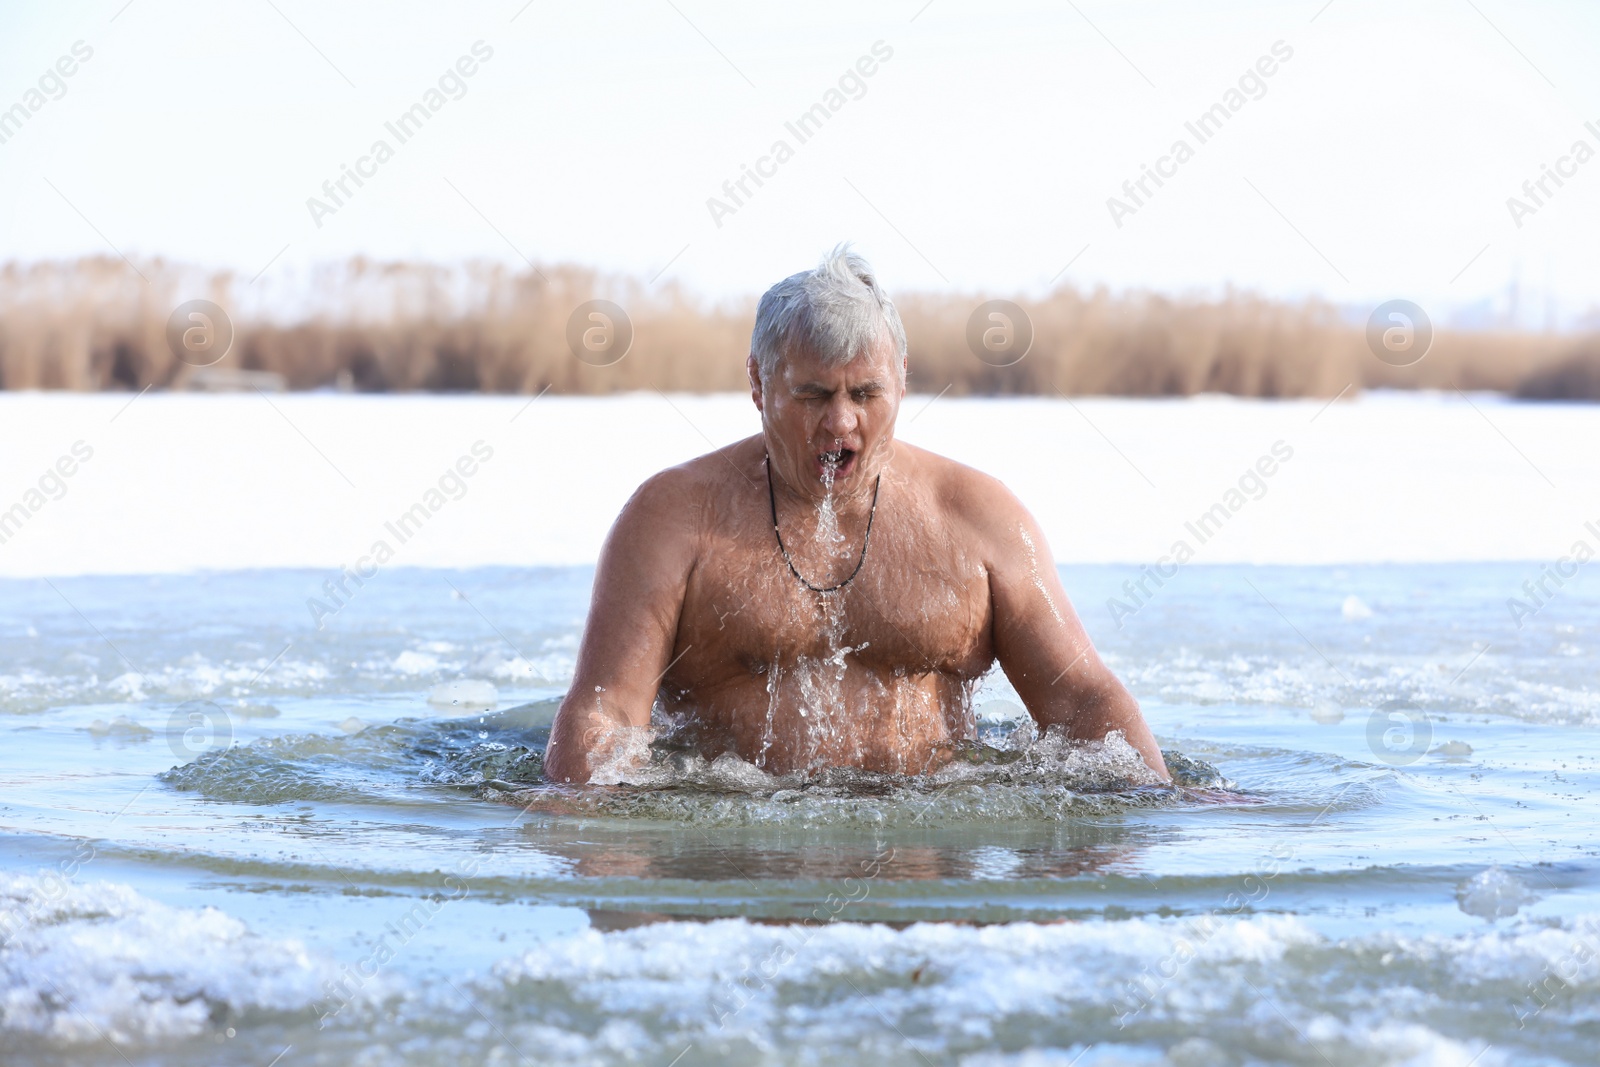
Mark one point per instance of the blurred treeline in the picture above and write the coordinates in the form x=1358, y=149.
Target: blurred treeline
x=97, y=324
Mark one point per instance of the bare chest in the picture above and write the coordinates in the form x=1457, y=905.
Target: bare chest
x=918, y=604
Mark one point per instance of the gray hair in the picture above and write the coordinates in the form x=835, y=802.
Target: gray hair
x=837, y=310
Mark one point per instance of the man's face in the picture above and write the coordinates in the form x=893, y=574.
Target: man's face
x=822, y=418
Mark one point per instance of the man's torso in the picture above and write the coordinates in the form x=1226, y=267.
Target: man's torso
x=877, y=675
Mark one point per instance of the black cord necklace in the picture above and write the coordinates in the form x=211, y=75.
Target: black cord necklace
x=866, y=538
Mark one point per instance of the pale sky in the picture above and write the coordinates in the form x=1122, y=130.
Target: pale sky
x=978, y=157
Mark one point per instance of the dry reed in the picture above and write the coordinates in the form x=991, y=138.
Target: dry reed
x=96, y=324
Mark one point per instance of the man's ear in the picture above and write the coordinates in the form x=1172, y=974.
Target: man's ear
x=905, y=373
x=753, y=369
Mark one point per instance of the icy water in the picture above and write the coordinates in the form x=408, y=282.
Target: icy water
x=229, y=837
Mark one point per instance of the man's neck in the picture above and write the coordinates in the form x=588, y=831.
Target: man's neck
x=852, y=501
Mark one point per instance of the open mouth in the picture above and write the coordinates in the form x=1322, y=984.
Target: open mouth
x=836, y=463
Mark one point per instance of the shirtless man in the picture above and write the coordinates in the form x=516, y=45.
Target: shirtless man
x=821, y=594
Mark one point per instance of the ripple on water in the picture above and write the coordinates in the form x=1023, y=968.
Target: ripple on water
x=375, y=763
x=1012, y=774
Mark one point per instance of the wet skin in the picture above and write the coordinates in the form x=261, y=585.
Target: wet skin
x=695, y=608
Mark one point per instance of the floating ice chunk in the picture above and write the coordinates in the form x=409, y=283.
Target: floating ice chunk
x=1355, y=609
x=555, y=667
x=121, y=726
x=1493, y=894
x=245, y=709
x=464, y=693
x=1453, y=748
x=1327, y=713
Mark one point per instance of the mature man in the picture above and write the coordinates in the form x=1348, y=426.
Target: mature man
x=821, y=594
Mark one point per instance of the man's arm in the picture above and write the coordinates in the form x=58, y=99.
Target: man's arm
x=633, y=621
x=1039, y=640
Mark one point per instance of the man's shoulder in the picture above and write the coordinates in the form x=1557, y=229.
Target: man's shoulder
x=980, y=509
x=699, y=480
x=959, y=491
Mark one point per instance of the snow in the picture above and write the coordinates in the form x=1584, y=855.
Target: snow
x=180, y=482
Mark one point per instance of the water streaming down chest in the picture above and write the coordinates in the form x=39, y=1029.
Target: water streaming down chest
x=825, y=713
x=830, y=538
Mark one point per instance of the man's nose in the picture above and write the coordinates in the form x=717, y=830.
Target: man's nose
x=841, y=418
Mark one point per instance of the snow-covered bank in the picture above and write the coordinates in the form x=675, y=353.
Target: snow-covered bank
x=176, y=482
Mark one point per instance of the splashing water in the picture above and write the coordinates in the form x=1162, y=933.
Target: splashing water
x=829, y=536
x=1014, y=773
x=627, y=749
x=818, y=681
